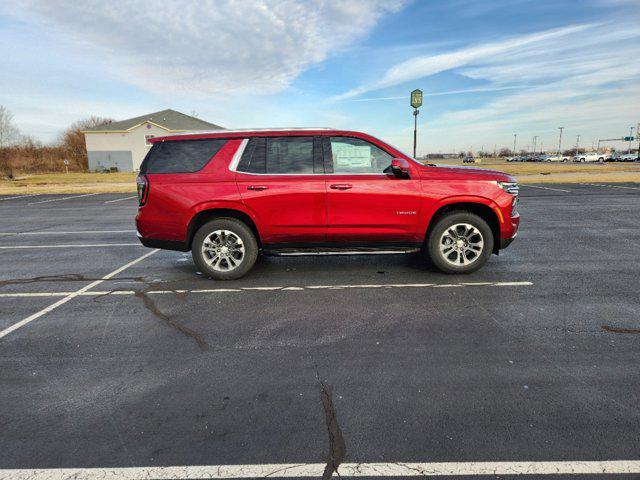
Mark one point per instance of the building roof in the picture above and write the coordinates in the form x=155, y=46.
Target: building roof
x=168, y=119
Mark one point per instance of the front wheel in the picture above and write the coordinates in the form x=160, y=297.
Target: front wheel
x=224, y=249
x=460, y=242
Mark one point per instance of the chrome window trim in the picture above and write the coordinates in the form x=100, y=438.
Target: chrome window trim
x=233, y=166
x=238, y=155
x=308, y=174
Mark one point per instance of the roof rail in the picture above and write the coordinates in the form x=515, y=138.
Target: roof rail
x=247, y=130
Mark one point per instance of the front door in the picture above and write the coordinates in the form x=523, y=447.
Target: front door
x=366, y=203
x=281, y=181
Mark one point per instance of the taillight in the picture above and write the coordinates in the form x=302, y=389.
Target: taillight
x=142, y=182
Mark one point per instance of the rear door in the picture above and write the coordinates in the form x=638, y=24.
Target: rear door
x=366, y=203
x=281, y=181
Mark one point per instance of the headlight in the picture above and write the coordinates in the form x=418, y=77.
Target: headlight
x=509, y=187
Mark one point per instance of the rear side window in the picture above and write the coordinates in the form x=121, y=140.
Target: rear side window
x=186, y=156
x=254, y=157
x=278, y=155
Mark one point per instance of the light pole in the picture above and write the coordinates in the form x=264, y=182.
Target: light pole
x=515, y=136
x=560, y=143
x=535, y=140
x=416, y=102
x=577, y=144
x=630, y=138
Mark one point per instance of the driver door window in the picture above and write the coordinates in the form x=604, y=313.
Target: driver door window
x=357, y=156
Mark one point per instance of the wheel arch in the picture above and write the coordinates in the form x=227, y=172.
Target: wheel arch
x=205, y=215
x=483, y=210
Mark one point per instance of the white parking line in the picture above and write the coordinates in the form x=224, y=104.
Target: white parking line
x=610, y=186
x=283, y=470
x=546, y=188
x=63, y=198
x=20, y=196
x=71, y=296
x=271, y=289
x=121, y=199
x=89, y=245
x=79, y=232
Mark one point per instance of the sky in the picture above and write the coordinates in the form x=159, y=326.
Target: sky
x=489, y=69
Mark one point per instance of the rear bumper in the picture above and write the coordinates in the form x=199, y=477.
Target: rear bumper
x=163, y=244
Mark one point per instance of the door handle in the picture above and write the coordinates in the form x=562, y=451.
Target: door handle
x=341, y=186
x=257, y=187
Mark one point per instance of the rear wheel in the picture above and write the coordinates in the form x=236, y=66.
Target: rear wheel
x=460, y=242
x=224, y=249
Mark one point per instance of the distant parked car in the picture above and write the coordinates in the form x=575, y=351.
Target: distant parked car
x=629, y=157
x=590, y=157
x=470, y=160
x=556, y=158
x=612, y=157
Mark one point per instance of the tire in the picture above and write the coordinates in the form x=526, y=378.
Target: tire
x=233, y=249
x=441, y=233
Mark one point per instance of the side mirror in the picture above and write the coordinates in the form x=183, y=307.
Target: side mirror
x=400, y=167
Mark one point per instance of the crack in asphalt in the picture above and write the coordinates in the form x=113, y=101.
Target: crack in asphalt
x=609, y=328
x=149, y=303
x=337, y=446
x=70, y=277
x=153, y=308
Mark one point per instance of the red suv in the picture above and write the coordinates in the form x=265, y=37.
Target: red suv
x=229, y=195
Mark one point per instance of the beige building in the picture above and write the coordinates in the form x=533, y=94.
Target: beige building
x=124, y=144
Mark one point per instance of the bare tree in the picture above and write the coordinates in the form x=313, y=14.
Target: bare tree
x=9, y=133
x=72, y=140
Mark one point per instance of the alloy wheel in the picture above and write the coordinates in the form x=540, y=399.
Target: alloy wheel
x=461, y=244
x=223, y=250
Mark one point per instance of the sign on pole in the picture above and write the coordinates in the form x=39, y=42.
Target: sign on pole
x=416, y=98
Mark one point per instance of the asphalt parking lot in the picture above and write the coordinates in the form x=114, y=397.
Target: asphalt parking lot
x=378, y=365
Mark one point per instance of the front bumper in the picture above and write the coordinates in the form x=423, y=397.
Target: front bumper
x=505, y=242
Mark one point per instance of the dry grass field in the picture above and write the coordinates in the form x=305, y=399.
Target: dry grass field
x=524, y=172
x=552, y=172
x=70, y=183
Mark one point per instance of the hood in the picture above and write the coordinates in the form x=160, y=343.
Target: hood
x=473, y=172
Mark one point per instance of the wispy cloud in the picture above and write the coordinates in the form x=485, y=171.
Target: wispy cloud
x=215, y=46
x=439, y=94
x=423, y=66
x=587, y=82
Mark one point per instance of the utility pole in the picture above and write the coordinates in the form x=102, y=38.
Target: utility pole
x=515, y=136
x=630, y=137
x=560, y=143
x=416, y=102
x=577, y=144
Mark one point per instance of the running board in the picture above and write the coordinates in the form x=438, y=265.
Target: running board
x=299, y=252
